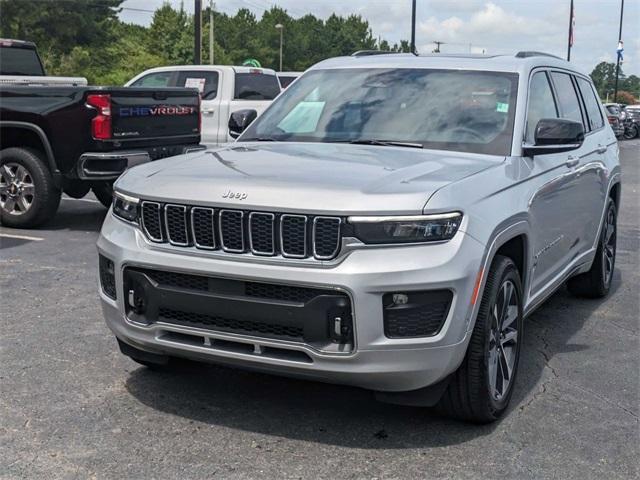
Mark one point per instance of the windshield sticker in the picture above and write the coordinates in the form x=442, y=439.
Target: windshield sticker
x=502, y=107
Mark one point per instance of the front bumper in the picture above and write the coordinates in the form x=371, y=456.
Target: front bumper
x=375, y=361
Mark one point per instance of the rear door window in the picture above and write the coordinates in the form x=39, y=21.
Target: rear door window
x=592, y=104
x=541, y=104
x=567, y=98
x=256, y=86
x=205, y=81
x=157, y=79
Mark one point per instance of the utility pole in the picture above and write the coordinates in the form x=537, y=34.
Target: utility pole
x=413, y=27
x=197, y=38
x=211, y=37
x=280, y=27
x=571, y=25
x=615, y=90
x=437, y=50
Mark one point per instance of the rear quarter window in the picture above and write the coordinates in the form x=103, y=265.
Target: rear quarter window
x=592, y=104
x=256, y=86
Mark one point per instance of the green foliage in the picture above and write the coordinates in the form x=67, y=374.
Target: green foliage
x=604, y=78
x=85, y=38
x=58, y=27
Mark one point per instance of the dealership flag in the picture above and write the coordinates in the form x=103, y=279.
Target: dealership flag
x=572, y=30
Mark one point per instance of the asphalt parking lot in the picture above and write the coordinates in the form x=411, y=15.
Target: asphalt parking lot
x=71, y=406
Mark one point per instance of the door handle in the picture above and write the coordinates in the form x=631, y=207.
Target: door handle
x=208, y=111
x=572, y=162
x=601, y=149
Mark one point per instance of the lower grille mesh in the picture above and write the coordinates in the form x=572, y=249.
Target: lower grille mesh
x=229, y=325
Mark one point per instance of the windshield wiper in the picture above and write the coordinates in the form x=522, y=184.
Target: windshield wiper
x=260, y=139
x=385, y=143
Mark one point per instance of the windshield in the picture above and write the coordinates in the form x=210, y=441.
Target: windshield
x=456, y=110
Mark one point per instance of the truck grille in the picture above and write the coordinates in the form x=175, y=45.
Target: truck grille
x=237, y=231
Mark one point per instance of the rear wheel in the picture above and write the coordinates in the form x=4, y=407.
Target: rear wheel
x=480, y=390
x=28, y=196
x=103, y=192
x=631, y=132
x=597, y=281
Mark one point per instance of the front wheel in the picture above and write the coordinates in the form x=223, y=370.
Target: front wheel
x=103, y=192
x=480, y=390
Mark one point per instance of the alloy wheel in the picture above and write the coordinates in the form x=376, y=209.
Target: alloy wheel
x=17, y=191
x=609, y=246
x=503, y=339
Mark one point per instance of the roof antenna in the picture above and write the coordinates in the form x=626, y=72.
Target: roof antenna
x=413, y=29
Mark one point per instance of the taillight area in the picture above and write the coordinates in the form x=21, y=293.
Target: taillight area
x=101, y=123
x=612, y=120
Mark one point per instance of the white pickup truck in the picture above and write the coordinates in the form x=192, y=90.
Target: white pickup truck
x=223, y=89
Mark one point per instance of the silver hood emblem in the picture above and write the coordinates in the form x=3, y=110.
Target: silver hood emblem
x=234, y=195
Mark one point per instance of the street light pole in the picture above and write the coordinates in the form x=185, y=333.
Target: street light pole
x=413, y=27
x=211, y=38
x=615, y=90
x=197, y=38
x=280, y=27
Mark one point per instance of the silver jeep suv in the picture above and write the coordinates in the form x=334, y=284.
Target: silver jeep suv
x=387, y=223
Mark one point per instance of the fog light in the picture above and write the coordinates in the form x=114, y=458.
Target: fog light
x=400, y=299
x=107, y=276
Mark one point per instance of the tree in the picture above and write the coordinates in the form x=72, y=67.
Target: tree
x=171, y=35
x=626, y=98
x=632, y=85
x=59, y=27
x=604, y=78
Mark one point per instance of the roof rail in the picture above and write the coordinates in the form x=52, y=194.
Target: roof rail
x=366, y=53
x=527, y=54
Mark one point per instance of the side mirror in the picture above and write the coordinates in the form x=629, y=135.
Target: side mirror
x=240, y=120
x=555, y=135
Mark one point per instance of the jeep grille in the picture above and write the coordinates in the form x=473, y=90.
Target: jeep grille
x=238, y=231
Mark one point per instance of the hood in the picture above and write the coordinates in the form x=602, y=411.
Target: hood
x=304, y=177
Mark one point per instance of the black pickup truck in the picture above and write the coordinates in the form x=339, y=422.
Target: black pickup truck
x=58, y=135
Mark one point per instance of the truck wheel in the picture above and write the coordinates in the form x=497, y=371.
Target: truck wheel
x=480, y=390
x=103, y=192
x=597, y=281
x=28, y=196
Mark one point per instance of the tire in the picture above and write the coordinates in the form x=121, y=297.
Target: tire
x=28, y=196
x=596, y=283
x=103, y=192
x=631, y=132
x=477, y=391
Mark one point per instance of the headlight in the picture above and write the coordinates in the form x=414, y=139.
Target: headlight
x=406, y=229
x=125, y=207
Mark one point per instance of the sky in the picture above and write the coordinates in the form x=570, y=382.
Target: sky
x=497, y=26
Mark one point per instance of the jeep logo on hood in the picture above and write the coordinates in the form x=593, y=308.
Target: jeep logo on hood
x=236, y=195
x=156, y=110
